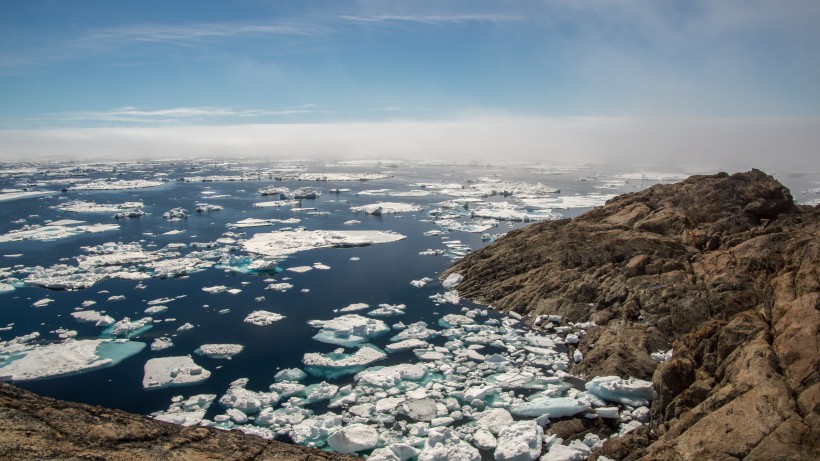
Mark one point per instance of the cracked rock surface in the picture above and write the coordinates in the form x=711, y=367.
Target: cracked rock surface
x=724, y=269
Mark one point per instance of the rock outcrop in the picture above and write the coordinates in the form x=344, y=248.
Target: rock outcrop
x=723, y=269
x=34, y=427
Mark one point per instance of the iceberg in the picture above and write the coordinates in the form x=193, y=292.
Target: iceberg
x=387, y=310
x=378, y=209
x=452, y=281
x=633, y=392
x=353, y=438
x=161, y=343
x=188, y=412
x=55, y=230
x=219, y=351
x=172, y=371
x=127, y=328
x=348, y=330
x=520, y=441
x=29, y=362
x=263, y=318
x=553, y=407
x=121, y=184
x=315, y=431
x=444, y=444
x=290, y=374
x=248, y=402
x=94, y=317
x=281, y=244
x=338, y=363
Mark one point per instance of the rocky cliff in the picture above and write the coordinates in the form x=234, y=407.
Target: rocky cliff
x=723, y=269
x=34, y=427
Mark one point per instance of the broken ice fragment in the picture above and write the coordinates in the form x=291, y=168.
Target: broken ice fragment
x=70, y=357
x=263, y=318
x=219, y=351
x=554, y=407
x=632, y=391
x=172, y=371
x=353, y=438
x=348, y=330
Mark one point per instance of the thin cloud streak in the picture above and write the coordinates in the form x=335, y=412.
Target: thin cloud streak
x=178, y=115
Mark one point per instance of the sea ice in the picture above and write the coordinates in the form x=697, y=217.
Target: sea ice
x=284, y=243
x=161, y=343
x=387, y=310
x=42, y=303
x=290, y=374
x=97, y=318
x=72, y=356
x=348, y=330
x=405, y=345
x=55, y=230
x=354, y=307
x=116, y=185
x=171, y=371
x=248, y=402
x=378, y=209
x=443, y=443
x=554, y=407
x=338, y=363
x=128, y=328
x=494, y=420
x=452, y=281
x=188, y=412
x=353, y=438
x=219, y=351
x=520, y=441
x=633, y=392
x=263, y=318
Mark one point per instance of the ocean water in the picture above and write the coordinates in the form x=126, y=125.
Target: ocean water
x=371, y=274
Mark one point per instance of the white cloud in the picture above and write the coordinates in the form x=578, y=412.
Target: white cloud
x=176, y=115
x=731, y=143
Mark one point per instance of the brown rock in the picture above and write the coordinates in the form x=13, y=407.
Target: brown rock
x=725, y=268
x=34, y=427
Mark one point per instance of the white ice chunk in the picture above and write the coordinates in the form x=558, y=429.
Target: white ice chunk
x=353, y=438
x=444, y=444
x=494, y=420
x=95, y=317
x=290, y=374
x=23, y=362
x=554, y=407
x=452, y=281
x=219, y=351
x=284, y=243
x=263, y=318
x=632, y=391
x=378, y=209
x=170, y=371
x=521, y=441
x=348, y=330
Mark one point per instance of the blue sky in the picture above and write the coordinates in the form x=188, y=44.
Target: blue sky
x=159, y=64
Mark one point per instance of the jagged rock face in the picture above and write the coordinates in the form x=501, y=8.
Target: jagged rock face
x=34, y=427
x=724, y=268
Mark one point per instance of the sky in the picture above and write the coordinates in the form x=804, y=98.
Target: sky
x=619, y=79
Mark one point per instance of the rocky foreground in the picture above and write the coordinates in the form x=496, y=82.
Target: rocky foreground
x=34, y=427
x=724, y=269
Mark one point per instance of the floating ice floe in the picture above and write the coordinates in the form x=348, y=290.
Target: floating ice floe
x=219, y=351
x=281, y=244
x=263, y=318
x=172, y=371
x=387, y=310
x=381, y=208
x=7, y=195
x=520, y=441
x=355, y=307
x=207, y=207
x=116, y=185
x=634, y=392
x=81, y=206
x=553, y=407
x=290, y=374
x=452, y=281
x=42, y=303
x=421, y=282
x=94, y=317
x=337, y=363
x=161, y=343
x=175, y=214
x=278, y=203
x=20, y=361
x=255, y=222
x=348, y=330
x=188, y=412
x=353, y=438
x=55, y=230
x=128, y=328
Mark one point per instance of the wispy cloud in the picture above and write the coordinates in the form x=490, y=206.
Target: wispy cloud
x=432, y=18
x=176, y=115
x=193, y=33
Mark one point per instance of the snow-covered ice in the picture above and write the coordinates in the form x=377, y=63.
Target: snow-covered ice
x=172, y=371
x=263, y=318
x=281, y=244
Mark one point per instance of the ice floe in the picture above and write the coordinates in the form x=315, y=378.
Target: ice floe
x=281, y=244
x=55, y=230
x=219, y=351
x=116, y=184
x=94, y=317
x=172, y=371
x=21, y=361
x=348, y=330
x=263, y=318
x=381, y=208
